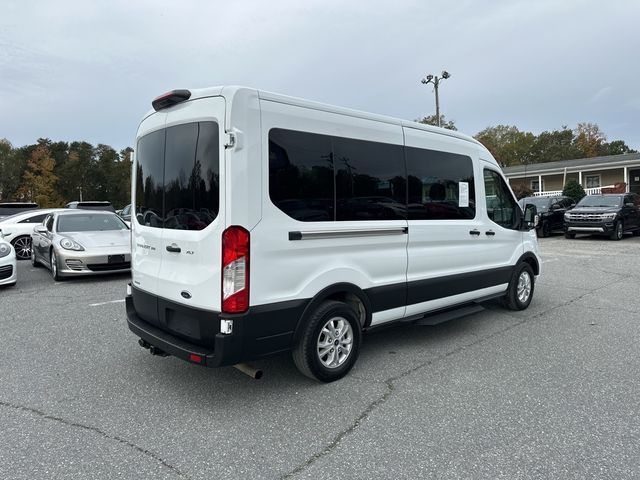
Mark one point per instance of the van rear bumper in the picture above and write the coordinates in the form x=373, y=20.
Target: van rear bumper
x=221, y=354
x=261, y=331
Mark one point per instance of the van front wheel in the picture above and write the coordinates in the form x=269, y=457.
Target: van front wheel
x=330, y=343
x=520, y=291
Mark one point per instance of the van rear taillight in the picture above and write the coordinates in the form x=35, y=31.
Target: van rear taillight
x=171, y=98
x=235, y=270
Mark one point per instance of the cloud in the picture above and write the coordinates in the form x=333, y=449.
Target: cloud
x=601, y=94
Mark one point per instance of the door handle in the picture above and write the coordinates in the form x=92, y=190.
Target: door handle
x=474, y=232
x=490, y=233
x=173, y=248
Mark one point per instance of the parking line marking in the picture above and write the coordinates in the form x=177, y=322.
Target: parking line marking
x=106, y=303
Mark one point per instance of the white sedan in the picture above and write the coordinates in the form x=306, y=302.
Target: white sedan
x=8, y=270
x=17, y=229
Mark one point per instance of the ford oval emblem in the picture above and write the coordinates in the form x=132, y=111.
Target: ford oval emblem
x=185, y=294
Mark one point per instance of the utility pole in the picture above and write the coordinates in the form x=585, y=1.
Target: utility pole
x=436, y=82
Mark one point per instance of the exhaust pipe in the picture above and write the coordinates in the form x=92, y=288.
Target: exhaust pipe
x=247, y=369
x=157, y=351
x=153, y=350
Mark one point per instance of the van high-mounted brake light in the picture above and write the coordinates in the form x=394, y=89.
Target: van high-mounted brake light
x=170, y=99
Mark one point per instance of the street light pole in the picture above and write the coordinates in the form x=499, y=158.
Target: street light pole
x=435, y=80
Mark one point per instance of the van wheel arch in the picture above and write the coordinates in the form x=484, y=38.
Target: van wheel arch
x=531, y=259
x=347, y=293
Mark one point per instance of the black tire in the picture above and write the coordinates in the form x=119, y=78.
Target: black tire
x=618, y=231
x=22, y=246
x=569, y=235
x=307, y=353
x=54, y=266
x=34, y=261
x=544, y=229
x=521, y=286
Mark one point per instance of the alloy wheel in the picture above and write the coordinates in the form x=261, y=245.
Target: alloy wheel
x=524, y=286
x=22, y=246
x=335, y=342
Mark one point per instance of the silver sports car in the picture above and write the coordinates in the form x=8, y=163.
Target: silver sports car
x=81, y=242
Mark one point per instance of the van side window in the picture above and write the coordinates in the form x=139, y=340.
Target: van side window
x=370, y=180
x=501, y=206
x=441, y=185
x=316, y=178
x=301, y=175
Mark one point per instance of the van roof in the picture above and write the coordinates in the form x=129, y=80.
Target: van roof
x=235, y=90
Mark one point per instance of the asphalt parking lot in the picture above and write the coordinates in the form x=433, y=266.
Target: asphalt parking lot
x=550, y=392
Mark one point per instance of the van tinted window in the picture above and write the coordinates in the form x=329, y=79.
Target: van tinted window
x=315, y=177
x=370, y=180
x=441, y=185
x=185, y=194
x=301, y=175
x=149, y=178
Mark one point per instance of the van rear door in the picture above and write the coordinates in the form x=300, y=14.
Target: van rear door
x=179, y=215
x=193, y=216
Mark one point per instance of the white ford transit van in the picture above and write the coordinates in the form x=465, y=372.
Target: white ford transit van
x=263, y=223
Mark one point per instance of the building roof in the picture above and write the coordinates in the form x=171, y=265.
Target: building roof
x=594, y=163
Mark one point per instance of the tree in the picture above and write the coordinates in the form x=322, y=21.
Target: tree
x=11, y=170
x=574, y=190
x=555, y=145
x=617, y=147
x=589, y=139
x=38, y=181
x=433, y=120
x=507, y=144
x=520, y=190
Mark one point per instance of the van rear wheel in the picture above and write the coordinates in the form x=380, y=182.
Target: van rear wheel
x=330, y=343
x=520, y=291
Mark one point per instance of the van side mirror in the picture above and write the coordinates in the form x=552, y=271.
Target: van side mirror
x=1, y=234
x=40, y=229
x=530, y=218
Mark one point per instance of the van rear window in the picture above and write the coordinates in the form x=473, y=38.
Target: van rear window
x=178, y=177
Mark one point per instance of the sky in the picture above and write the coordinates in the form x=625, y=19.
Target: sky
x=88, y=70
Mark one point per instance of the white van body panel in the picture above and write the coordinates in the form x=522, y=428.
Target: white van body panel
x=286, y=270
x=440, y=248
x=244, y=162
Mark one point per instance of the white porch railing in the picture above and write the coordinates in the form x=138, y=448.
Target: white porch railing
x=588, y=191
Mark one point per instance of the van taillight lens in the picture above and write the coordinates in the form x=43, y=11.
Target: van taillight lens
x=235, y=270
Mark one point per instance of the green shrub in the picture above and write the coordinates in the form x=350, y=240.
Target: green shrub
x=574, y=190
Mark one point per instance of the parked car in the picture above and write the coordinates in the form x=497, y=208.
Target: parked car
x=11, y=208
x=92, y=205
x=77, y=242
x=610, y=214
x=8, y=267
x=551, y=212
x=18, y=228
x=125, y=214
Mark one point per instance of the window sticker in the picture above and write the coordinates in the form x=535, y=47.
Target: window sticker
x=463, y=194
